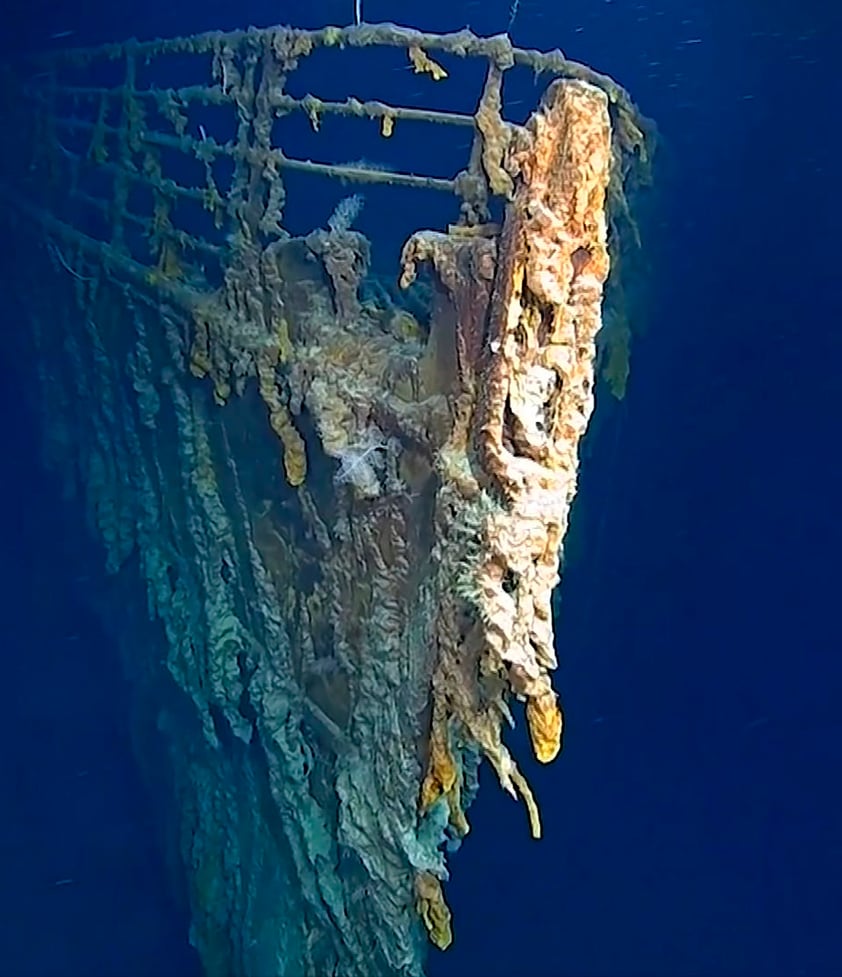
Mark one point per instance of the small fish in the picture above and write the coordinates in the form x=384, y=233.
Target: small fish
x=63, y=882
x=59, y=34
x=756, y=723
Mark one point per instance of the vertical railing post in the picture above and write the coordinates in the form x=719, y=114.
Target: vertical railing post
x=124, y=161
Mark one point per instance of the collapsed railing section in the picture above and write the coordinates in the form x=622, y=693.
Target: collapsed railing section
x=133, y=166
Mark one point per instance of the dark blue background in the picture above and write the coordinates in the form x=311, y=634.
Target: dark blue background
x=692, y=824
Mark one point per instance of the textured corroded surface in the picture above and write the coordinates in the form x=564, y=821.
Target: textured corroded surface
x=538, y=387
x=509, y=469
x=345, y=508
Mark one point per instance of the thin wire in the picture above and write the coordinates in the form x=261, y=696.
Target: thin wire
x=56, y=253
x=512, y=14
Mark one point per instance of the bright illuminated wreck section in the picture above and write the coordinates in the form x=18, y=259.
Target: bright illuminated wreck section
x=342, y=511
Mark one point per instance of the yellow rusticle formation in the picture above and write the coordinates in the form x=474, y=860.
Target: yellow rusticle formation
x=496, y=134
x=205, y=355
x=423, y=64
x=441, y=770
x=295, y=454
x=200, y=360
x=433, y=910
x=545, y=723
x=444, y=776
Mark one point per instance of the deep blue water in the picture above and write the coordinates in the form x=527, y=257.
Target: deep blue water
x=693, y=821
